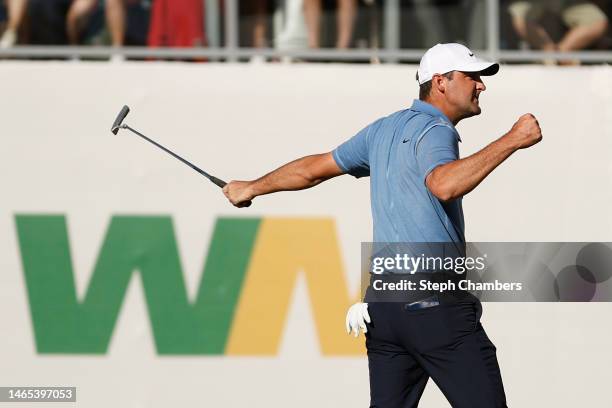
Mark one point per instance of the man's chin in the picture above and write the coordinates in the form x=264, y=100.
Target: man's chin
x=472, y=112
x=475, y=109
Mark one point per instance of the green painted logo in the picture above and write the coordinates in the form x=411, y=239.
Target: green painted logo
x=133, y=244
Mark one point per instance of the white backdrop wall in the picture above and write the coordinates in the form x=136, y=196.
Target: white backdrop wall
x=58, y=157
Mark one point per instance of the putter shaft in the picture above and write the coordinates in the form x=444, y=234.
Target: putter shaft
x=212, y=178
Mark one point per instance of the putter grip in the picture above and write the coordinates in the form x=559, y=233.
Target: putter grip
x=124, y=111
x=217, y=181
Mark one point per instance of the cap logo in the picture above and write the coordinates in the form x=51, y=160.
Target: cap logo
x=471, y=54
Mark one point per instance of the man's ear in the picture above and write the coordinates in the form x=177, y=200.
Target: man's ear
x=438, y=83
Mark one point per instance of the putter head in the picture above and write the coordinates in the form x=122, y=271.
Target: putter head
x=117, y=123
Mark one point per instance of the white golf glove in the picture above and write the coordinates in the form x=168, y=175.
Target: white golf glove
x=356, y=318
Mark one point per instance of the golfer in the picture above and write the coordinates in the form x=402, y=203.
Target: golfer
x=417, y=184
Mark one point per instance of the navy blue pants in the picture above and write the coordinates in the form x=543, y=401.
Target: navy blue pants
x=446, y=342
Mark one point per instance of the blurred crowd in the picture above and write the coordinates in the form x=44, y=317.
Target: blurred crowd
x=553, y=25
x=561, y=25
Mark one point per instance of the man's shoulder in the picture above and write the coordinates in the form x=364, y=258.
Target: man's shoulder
x=415, y=124
x=415, y=119
x=412, y=124
x=402, y=119
x=437, y=134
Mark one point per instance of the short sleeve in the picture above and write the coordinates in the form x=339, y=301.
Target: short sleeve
x=437, y=146
x=352, y=156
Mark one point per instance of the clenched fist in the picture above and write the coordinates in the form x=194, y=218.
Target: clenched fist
x=525, y=132
x=239, y=193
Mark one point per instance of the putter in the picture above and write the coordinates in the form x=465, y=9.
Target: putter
x=118, y=124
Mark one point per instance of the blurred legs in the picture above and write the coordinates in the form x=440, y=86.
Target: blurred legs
x=347, y=10
x=312, y=15
x=115, y=18
x=77, y=17
x=16, y=11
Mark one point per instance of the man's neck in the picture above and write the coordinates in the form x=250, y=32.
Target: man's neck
x=443, y=107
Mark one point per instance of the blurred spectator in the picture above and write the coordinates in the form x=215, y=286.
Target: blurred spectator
x=253, y=24
x=177, y=23
x=259, y=28
x=290, y=32
x=46, y=22
x=81, y=11
x=435, y=25
x=16, y=11
x=585, y=23
x=347, y=10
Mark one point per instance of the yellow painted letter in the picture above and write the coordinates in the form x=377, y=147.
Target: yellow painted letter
x=284, y=247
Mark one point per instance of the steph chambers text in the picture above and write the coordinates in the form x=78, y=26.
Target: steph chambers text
x=425, y=284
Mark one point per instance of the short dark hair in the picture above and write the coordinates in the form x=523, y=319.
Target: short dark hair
x=425, y=89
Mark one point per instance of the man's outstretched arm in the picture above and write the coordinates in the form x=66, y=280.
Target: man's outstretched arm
x=457, y=178
x=297, y=175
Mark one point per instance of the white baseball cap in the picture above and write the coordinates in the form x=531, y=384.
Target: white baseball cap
x=444, y=58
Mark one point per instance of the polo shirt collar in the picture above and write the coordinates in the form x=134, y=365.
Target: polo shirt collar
x=424, y=107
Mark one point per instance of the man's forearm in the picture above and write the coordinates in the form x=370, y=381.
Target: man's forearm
x=299, y=174
x=458, y=178
x=296, y=175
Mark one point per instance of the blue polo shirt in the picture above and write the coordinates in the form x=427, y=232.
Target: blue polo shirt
x=397, y=152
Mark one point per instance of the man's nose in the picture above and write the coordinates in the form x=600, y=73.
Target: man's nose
x=480, y=85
